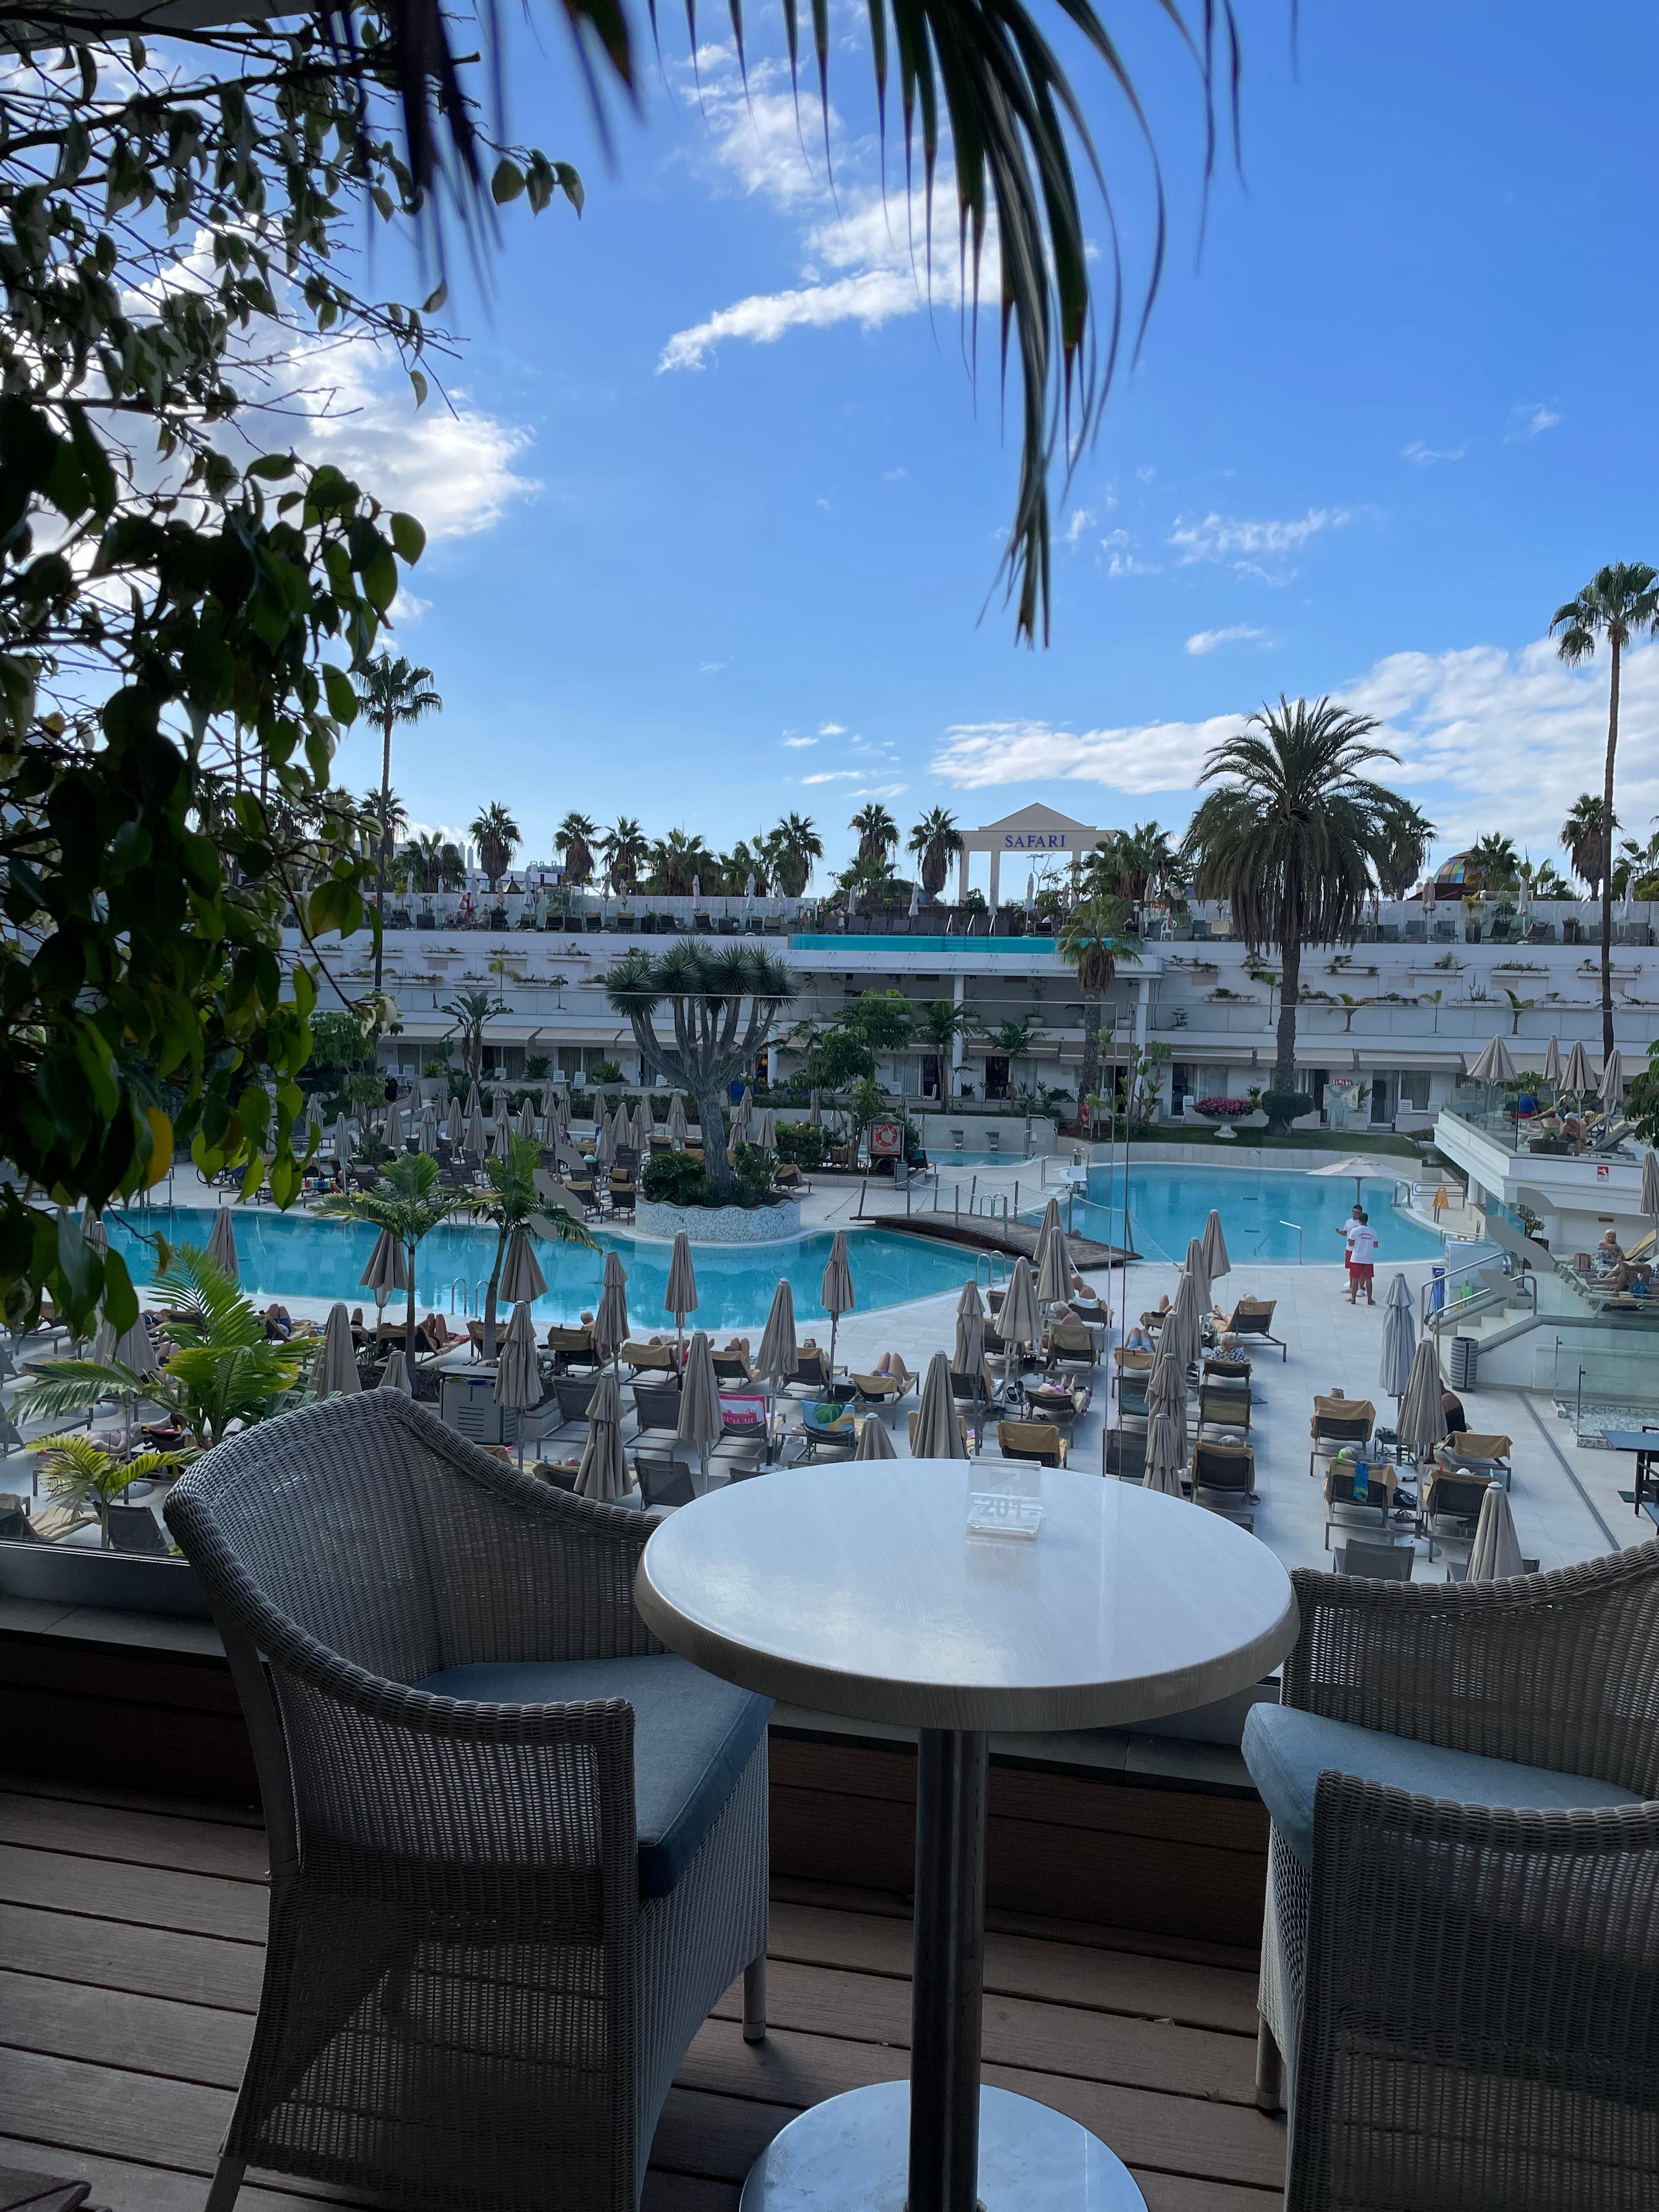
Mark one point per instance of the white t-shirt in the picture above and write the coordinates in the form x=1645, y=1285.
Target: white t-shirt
x=1362, y=1245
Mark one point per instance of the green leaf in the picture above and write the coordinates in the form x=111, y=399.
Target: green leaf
x=343, y=701
x=507, y=183
x=274, y=466
x=421, y=386
x=571, y=185
x=121, y=1299
x=430, y=307
x=408, y=537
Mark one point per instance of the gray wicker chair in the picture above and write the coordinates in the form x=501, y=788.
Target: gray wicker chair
x=516, y=1850
x=1462, y=1942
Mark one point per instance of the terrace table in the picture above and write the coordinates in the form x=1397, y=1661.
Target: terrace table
x=858, y=1590
x=1644, y=1442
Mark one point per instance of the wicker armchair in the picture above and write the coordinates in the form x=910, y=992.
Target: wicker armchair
x=1462, y=1942
x=516, y=1850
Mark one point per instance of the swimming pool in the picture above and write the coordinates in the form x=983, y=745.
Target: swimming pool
x=292, y=1256
x=1261, y=1210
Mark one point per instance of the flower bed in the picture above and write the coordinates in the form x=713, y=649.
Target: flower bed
x=1222, y=1110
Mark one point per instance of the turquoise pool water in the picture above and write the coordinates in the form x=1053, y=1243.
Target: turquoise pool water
x=288, y=1255
x=1167, y=1206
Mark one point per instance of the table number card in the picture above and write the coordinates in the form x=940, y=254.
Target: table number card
x=1005, y=1500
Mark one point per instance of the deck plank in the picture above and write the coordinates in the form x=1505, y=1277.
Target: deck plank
x=135, y=1839
x=131, y=1946
x=1044, y=2038
x=1026, y=1966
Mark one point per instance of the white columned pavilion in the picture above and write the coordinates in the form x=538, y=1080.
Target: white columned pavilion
x=1036, y=833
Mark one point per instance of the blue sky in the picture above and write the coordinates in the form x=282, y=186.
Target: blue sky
x=719, y=485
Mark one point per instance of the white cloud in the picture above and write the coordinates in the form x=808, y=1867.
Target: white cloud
x=894, y=475
x=832, y=729
x=1080, y=522
x=712, y=667
x=1121, y=559
x=879, y=791
x=1448, y=716
x=1207, y=640
x=835, y=776
x=796, y=744
x=1424, y=457
x=859, y=263
x=1528, y=420
x=1221, y=537
x=408, y=606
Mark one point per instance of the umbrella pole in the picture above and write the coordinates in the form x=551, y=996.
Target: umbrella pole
x=835, y=1323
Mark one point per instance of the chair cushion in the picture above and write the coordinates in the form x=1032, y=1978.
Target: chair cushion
x=693, y=1736
x=1287, y=1750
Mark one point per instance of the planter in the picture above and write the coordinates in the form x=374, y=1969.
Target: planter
x=113, y=1582
x=719, y=1225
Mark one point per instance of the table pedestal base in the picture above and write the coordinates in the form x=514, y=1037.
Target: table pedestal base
x=850, y=2155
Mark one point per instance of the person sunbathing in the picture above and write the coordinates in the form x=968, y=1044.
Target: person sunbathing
x=279, y=1323
x=1140, y=1339
x=892, y=1365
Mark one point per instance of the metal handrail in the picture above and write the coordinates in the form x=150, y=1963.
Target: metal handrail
x=1434, y=1317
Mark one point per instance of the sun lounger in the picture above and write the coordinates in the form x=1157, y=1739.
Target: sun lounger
x=1253, y=1317
x=1341, y=1503
x=1222, y=1479
x=1337, y=1422
x=658, y=1358
x=880, y=1393
x=1033, y=1440
x=732, y=1367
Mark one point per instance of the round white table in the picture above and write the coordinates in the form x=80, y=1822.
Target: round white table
x=857, y=1589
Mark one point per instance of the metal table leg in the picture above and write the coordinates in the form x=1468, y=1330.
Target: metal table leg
x=943, y=2144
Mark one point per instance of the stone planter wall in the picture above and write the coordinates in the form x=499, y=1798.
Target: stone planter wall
x=719, y=1225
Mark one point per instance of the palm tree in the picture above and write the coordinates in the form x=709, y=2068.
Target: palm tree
x=436, y=861
x=497, y=837
x=1016, y=1041
x=575, y=837
x=78, y=1471
x=1498, y=862
x=1549, y=882
x=508, y=1200
x=938, y=1024
x=870, y=877
x=1584, y=839
x=935, y=841
x=225, y=1372
x=1094, y=937
x=1134, y=864
x=1410, y=835
x=1637, y=864
x=1294, y=839
x=470, y=1011
x=1619, y=603
x=622, y=847
x=408, y=1202
x=677, y=861
x=394, y=692
x=744, y=860
x=794, y=845
x=722, y=1006
x=877, y=831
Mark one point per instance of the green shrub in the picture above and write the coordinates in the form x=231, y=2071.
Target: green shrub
x=1283, y=1106
x=674, y=1179
x=605, y=1071
x=801, y=1145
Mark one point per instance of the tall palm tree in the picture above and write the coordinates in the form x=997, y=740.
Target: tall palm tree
x=1094, y=937
x=409, y=1202
x=1619, y=603
x=935, y=841
x=497, y=837
x=575, y=838
x=795, y=844
x=1146, y=862
x=437, y=862
x=938, y=1024
x=394, y=693
x=1014, y=1040
x=622, y=847
x=1294, y=839
x=877, y=831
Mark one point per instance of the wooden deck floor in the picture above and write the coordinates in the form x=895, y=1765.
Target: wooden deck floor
x=131, y=1934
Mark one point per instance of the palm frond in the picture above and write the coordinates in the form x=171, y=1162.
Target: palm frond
x=213, y=1309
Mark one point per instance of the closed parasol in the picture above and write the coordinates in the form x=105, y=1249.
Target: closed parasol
x=1650, y=1185
x=427, y=1134
x=518, y=1384
x=778, y=1356
x=522, y=1279
x=1496, y=1552
x=610, y=1322
x=475, y=1141
x=1494, y=1065
x=221, y=1243
x=969, y=1356
x=1399, y=1338
x=1553, y=1065
x=603, y=1474
x=1422, y=1420
x=387, y=1270
x=701, y=1419
x=938, y=1428
x=680, y=1297
x=454, y=1125
x=677, y=1122
x=394, y=1376
x=836, y=1290
x=1054, y=1273
x=1576, y=1075
x=474, y=1104
x=337, y=1362
x=1216, y=1262
x=525, y=1124
x=874, y=1442
x=1611, y=1089
x=1200, y=1274
x=1018, y=1321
